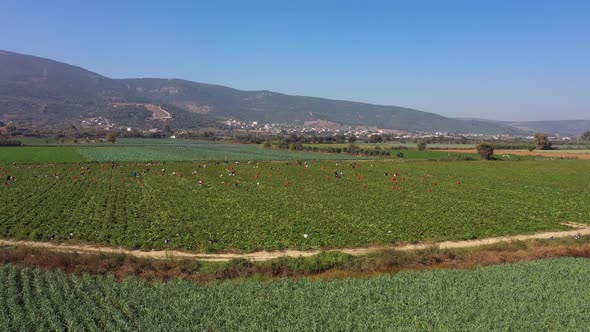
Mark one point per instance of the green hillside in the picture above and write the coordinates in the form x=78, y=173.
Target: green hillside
x=47, y=92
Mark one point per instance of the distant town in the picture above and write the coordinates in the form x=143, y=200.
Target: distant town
x=99, y=127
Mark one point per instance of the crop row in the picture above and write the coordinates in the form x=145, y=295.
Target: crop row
x=533, y=296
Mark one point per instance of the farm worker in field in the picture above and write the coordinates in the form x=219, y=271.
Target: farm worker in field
x=134, y=174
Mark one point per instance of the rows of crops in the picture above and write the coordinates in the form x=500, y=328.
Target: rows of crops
x=162, y=151
x=40, y=154
x=550, y=295
x=195, y=151
x=274, y=205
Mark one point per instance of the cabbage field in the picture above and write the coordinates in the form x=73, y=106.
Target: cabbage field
x=129, y=150
x=547, y=295
x=195, y=151
x=162, y=150
x=248, y=206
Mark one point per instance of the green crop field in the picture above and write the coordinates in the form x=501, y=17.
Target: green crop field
x=409, y=145
x=548, y=295
x=412, y=153
x=196, y=151
x=40, y=154
x=156, y=150
x=276, y=205
x=210, y=151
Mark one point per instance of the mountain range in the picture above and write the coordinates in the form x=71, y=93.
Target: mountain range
x=555, y=127
x=44, y=92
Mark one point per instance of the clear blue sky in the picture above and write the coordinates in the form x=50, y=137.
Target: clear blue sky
x=513, y=60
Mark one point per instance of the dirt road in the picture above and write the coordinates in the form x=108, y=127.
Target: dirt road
x=578, y=229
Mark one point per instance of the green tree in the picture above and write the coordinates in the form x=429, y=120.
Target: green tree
x=112, y=137
x=421, y=145
x=586, y=136
x=353, y=149
x=375, y=138
x=485, y=150
x=339, y=138
x=542, y=141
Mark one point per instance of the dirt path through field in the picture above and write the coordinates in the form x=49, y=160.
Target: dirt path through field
x=578, y=229
x=549, y=154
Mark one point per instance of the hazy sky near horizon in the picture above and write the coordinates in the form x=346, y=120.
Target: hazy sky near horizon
x=504, y=60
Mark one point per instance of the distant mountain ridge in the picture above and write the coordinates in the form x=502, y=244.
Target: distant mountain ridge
x=551, y=127
x=47, y=92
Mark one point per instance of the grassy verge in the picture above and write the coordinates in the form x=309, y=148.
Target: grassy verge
x=327, y=265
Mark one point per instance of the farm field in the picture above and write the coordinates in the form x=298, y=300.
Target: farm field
x=196, y=151
x=40, y=154
x=537, y=154
x=410, y=145
x=541, y=295
x=278, y=205
x=164, y=150
x=461, y=152
x=568, y=151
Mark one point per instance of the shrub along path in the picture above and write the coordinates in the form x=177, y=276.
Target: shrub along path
x=578, y=230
